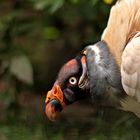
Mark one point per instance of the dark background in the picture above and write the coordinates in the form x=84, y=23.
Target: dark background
x=36, y=38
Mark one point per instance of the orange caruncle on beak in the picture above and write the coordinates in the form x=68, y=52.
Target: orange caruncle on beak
x=54, y=101
x=57, y=94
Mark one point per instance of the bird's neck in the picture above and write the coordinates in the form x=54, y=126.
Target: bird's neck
x=104, y=74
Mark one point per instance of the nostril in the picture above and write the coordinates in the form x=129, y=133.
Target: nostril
x=55, y=91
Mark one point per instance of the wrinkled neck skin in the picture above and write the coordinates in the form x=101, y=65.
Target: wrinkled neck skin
x=104, y=75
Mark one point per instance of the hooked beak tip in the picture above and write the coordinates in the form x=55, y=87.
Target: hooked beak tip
x=53, y=109
x=54, y=102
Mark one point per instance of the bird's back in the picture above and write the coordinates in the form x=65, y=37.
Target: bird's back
x=123, y=25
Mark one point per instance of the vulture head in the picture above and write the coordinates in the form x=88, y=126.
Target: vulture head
x=72, y=84
x=92, y=71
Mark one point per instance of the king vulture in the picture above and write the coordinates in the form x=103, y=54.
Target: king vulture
x=108, y=71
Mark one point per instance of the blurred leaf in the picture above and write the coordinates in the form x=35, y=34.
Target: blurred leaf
x=52, y=4
x=74, y=1
x=56, y=4
x=108, y=1
x=41, y=4
x=94, y=2
x=22, y=69
x=24, y=28
x=51, y=33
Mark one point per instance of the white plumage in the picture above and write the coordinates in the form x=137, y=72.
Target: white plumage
x=122, y=35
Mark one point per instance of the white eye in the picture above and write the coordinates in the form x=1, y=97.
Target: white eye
x=73, y=81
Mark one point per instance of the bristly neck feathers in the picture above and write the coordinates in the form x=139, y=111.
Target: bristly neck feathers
x=104, y=74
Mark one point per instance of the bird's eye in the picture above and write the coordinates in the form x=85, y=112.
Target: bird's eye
x=73, y=80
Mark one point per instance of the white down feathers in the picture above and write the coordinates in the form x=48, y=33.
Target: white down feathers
x=130, y=68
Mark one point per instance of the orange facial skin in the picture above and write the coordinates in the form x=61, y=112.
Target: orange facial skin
x=63, y=91
x=54, y=99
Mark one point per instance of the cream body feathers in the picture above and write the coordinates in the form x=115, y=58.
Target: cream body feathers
x=123, y=24
x=130, y=68
x=122, y=35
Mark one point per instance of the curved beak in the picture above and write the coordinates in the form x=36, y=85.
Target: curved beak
x=54, y=102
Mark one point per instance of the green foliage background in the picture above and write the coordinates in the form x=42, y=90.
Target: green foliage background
x=36, y=38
